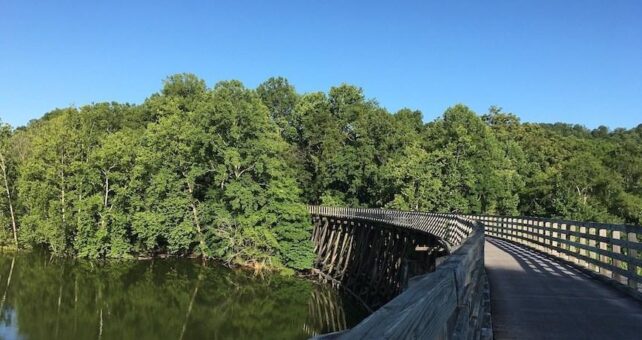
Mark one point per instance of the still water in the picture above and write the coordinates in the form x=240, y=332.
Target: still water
x=53, y=298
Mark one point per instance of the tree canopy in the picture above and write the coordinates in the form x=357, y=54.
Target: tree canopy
x=226, y=172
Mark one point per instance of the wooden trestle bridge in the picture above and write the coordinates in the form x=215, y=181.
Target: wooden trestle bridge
x=442, y=276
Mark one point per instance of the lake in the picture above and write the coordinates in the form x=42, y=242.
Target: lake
x=56, y=298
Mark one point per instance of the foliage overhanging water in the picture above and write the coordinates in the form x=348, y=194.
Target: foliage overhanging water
x=53, y=298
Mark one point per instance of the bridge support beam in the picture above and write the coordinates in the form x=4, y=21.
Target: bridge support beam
x=372, y=260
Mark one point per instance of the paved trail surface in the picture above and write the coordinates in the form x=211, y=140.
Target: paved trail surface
x=534, y=297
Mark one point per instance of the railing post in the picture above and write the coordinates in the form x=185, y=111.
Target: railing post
x=525, y=226
x=617, y=263
x=571, y=238
x=603, y=258
x=564, y=237
x=633, y=254
x=547, y=237
x=554, y=234
x=541, y=238
x=538, y=233
x=492, y=224
x=580, y=240
x=583, y=241
x=504, y=227
x=507, y=225
x=531, y=238
x=532, y=233
x=592, y=231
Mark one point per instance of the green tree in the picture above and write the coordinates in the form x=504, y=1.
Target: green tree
x=225, y=172
x=414, y=175
x=212, y=172
x=8, y=178
x=476, y=174
x=45, y=183
x=281, y=99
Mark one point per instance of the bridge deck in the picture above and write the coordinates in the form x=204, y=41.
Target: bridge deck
x=533, y=297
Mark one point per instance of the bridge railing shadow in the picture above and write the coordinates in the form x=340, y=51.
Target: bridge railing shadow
x=535, y=264
x=608, y=252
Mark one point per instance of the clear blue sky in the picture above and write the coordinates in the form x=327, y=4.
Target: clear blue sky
x=574, y=61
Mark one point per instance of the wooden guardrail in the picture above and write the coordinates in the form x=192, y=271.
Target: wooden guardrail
x=447, y=303
x=451, y=228
x=607, y=251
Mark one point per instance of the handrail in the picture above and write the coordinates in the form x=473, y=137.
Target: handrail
x=438, y=224
x=445, y=303
x=608, y=251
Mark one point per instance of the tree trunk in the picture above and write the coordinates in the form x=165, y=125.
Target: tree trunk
x=3, y=165
x=62, y=189
x=105, y=201
x=106, y=189
x=201, y=239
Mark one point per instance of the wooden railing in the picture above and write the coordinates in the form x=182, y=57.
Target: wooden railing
x=447, y=303
x=453, y=229
x=608, y=251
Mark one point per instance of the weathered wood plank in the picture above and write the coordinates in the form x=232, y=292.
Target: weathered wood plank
x=436, y=304
x=444, y=304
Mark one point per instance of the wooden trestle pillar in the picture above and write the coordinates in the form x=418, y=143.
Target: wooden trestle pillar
x=371, y=260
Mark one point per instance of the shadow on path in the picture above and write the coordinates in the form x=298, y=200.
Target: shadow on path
x=535, y=297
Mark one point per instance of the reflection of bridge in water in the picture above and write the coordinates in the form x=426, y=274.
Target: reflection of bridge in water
x=548, y=278
x=326, y=313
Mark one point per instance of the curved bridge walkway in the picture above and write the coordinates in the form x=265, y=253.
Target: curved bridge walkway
x=535, y=297
x=548, y=278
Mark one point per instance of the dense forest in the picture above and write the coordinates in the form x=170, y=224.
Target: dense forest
x=226, y=172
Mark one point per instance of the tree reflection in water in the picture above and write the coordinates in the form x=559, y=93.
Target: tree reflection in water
x=53, y=298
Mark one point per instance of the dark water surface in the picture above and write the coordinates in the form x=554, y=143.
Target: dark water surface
x=44, y=298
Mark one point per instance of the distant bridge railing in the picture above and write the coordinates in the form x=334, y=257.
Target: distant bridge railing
x=610, y=252
x=453, y=229
x=446, y=303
